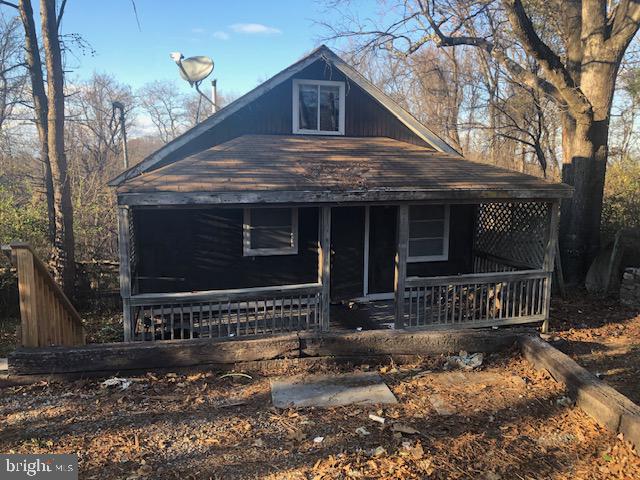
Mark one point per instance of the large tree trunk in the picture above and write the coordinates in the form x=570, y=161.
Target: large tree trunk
x=34, y=65
x=63, y=247
x=584, y=169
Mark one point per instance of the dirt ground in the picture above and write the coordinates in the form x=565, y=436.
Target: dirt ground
x=602, y=336
x=506, y=421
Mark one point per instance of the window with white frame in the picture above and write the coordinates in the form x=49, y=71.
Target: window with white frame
x=428, y=233
x=318, y=107
x=270, y=231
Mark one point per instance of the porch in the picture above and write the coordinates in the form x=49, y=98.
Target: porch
x=505, y=279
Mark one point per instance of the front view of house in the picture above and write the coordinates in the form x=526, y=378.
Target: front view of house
x=315, y=202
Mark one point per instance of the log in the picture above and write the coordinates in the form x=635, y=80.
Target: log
x=222, y=353
x=603, y=403
x=406, y=342
x=118, y=357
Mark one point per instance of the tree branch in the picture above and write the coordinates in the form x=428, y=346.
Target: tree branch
x=8, y=4
x=514, y=68
x=551, y=64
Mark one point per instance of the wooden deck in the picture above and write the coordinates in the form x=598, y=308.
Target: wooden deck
x=375, y=315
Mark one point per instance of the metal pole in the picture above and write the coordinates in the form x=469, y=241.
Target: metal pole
x=123, y=131
x=214, y=95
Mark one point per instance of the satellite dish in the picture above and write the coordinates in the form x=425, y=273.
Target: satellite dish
x=194, y=70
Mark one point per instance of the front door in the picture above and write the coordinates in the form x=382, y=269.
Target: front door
x=363, y=247
x=347, y=253
x=382, y=250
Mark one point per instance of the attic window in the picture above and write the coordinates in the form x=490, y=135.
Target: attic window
x=318, y=107
x=270, y=231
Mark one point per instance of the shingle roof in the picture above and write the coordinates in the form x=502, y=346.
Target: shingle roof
x=294, y=163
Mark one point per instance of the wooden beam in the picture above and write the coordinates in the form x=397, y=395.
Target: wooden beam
x=109, y=358
x=233, y=294
x=400, y=263
x=124, y=250
x=605, y=404
x=549, y=257
x=29, y=313
x=320, y=196
x=324, y=266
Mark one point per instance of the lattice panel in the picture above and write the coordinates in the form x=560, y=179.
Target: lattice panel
x=513, y=231
x=132, y=250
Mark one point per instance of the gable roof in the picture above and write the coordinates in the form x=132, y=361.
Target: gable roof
x=276, y=168
x=322, y=52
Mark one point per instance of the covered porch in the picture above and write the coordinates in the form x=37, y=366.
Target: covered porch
x=498, y=274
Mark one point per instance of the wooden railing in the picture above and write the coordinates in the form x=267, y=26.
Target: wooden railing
x=47, y=316
x=226, y=313
x=485, y=299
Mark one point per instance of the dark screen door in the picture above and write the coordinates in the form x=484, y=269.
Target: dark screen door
x=382, y=248
x=347, y=253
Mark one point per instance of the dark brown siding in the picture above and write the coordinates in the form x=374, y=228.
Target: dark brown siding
x=201, y=249
x=271, y=114
x=460, y=246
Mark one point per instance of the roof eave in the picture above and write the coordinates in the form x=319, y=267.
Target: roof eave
x=167, y=198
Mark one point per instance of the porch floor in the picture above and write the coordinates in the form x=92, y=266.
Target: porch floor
x=375, y=315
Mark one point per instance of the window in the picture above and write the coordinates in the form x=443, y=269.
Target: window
x=270, y=231
x=318, y=107
x=428, y=233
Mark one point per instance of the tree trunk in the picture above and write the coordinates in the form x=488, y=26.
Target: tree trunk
x=63, y=247
x=34, y=65
x=585, y=171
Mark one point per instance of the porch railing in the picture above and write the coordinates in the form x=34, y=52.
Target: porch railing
x=226, y=313
x=484, y=299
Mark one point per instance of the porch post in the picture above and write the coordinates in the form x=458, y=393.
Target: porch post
x=324, y=265
x=549, y=258
x=400, y=271
x=125, y=269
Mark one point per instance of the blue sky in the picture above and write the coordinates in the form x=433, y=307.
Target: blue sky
x=248, y=40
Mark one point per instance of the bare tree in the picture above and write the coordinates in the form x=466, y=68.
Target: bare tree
x=13, y=78
x=578, y=52
x=165, y=107
x=63, y=258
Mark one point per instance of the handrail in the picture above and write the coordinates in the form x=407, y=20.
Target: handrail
x=47, y=315
x=222, y=295
x=475, y=277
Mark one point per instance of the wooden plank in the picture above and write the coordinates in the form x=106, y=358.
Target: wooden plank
x=400, y=263
x=324, y=266
x=124, y=249
x=486, y=278
x=233, y=294
x=549, y=257
x=28, y=301
x=605, y=404
x=331, y=196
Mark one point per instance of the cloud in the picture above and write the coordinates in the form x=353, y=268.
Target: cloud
x=254, y=29
x=197, y=30
x=220, y=35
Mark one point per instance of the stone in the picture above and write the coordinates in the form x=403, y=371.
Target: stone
x=330, y=390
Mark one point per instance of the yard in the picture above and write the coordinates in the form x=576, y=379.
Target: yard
x=504, y=420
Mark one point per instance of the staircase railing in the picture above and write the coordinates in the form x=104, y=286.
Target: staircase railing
x=47, y=316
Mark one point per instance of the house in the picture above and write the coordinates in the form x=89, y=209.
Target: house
x=315, y=200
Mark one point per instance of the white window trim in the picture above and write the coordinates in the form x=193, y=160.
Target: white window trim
x=445, y=247
x=296, y=107
x=247, y=251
